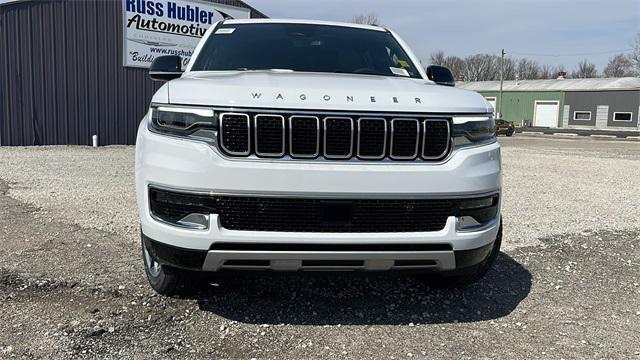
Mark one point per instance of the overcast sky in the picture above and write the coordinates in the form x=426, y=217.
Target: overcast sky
x=574, y=29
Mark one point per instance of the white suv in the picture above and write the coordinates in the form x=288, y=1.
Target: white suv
x=305, y=145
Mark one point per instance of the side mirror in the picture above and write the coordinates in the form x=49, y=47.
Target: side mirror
x=165, y=68
x=440, y=75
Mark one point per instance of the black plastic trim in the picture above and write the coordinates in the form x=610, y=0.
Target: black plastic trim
x=467, y=258
x=175, y=256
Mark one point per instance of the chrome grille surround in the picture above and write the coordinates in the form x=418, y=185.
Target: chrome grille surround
x=222, y=126
x=256, y=125
x=325, y=123
x=424, y=139
x=305, y=138
x=291, y=134
x=360, y=146
x=395, y=132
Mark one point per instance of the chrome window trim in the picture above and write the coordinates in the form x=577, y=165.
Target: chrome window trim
x=235, y=153
x=304, y=156
x=424, y=139
x=384, y=144
x=324, y=142
x=255, y=124
x=415, y=154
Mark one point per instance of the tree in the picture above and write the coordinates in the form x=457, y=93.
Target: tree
x=635, y=55
x=620, y=65
x=546, y=72
x=482, y=67
x=528, y=69
x=454, y=63
x=509, y=69
x=585, y=70
x=366, y=19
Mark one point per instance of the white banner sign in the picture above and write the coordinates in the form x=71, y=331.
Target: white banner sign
x=168, y=27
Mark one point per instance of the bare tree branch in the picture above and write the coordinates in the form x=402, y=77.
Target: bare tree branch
x=585, y=69
x=620, y=65
x=366, y=19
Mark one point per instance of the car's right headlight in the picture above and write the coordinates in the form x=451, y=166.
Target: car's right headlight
x=473, y=130
x=196, y=123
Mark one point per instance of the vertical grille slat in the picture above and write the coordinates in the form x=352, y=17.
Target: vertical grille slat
x=405, y=136
x=372, y=138
x=436, y=139
x=307, y=135
x=338, y=137
x=235, y=134
x=269, y=135
x=304, y=136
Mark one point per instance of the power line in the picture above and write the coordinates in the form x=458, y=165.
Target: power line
x=574, y=54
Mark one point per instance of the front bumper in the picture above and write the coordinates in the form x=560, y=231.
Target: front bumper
x=435, y=258
x=192, y=166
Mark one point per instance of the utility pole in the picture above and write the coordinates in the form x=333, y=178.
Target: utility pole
x=499, y=112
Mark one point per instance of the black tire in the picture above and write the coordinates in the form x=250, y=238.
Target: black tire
x=167, y=280
x=510, y=133
x=471, y=275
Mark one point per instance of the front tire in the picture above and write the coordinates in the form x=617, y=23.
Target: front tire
x=165, y=280
x=470, y=276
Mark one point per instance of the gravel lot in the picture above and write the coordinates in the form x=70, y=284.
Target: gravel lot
x=566, y=285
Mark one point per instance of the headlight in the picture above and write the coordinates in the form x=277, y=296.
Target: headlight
x=190, y=122
x=476, y=130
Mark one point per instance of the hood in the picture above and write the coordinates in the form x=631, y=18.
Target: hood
x=299, y=90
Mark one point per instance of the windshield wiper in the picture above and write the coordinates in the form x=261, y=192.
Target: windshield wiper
x=276, y=70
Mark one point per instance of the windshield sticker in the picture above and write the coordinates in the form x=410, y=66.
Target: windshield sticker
x=225, y=31
x=399, y=71
x=404, y=64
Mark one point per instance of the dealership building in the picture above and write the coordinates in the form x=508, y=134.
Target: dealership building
x=73, y=69
x=598, y=103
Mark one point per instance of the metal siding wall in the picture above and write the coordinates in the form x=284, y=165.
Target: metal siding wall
x=61, y=74
x=518, y=105
x=617, y=101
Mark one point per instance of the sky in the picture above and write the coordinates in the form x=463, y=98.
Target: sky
x=560, y=32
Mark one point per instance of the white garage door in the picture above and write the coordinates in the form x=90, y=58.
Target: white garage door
x=546, y=113
x=492, y=101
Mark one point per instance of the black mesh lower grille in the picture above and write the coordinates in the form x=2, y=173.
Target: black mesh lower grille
x=404, y=142
x=338, y=134
x=304, y=136
x=307, y=214
x=436, y=138
x=372, y=136
x=235, y=133
x=269, y=135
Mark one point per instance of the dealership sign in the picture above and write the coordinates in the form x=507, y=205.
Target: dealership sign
x=154, y=28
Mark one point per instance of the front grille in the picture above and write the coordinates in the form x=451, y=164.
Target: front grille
x=405, y=136
x=436, y=138
x=269, y=131
x=307, y=214
x=336, y=137
x=304, y=136
x=234, y=133
x=372, y=138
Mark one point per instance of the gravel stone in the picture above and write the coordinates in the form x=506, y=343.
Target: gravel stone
x=567, y=279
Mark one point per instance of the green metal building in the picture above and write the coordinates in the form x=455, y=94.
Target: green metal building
x=599, y=103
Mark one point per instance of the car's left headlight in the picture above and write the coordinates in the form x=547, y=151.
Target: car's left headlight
x=197, y=123
x=473, y=130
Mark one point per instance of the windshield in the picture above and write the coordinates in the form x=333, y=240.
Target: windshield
x=304, y=47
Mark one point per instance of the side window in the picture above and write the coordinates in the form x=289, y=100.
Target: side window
x=622, y=116
x=582, y=115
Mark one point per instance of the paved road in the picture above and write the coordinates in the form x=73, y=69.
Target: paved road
x=566, y=286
